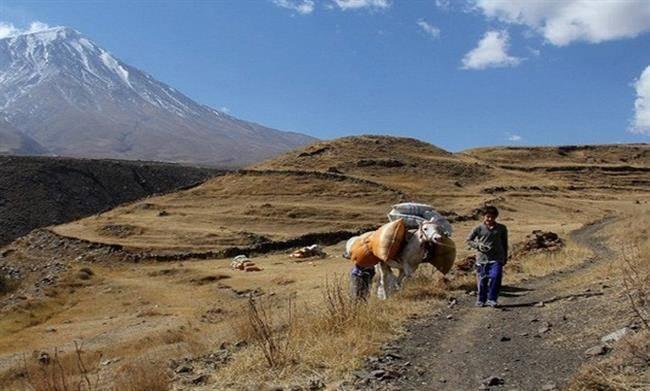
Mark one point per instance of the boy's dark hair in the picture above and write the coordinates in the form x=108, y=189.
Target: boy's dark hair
x=490, y=210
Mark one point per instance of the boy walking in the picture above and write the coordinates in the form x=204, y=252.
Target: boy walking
x=490, y=240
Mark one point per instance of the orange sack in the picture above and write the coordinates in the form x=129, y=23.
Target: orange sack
x=387, y=241
x=361, y=253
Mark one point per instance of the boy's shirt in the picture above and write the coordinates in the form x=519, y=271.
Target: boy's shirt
x=496, y=238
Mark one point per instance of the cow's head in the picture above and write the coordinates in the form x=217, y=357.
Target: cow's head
x=431, y=231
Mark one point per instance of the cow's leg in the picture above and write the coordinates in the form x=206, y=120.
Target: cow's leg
x=384, y=288
x=406, y=272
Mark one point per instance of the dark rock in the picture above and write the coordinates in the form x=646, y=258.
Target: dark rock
x=504, y=338
x=184, y=368
x=44, y=358
x=380, y=163
x=493, y=381
x=466, y=264
x=240, y=344
x=393, y=356
x=378, y=373
x=201, y=379
x=315, y=385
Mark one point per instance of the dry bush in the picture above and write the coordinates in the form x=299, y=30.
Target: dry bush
x=636, y=280
x=142, y=375
x=628, y=369
x=330, y=336
x=7, y=285
x=339, y=307
x=62, y=373
x=543, y=263
x=273, y=338
x=426, y=284
x=186, y=336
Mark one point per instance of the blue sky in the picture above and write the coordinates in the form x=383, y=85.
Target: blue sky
x=457, y=74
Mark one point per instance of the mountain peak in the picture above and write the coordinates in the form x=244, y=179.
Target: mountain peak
x=75, y=98
x=46, y=34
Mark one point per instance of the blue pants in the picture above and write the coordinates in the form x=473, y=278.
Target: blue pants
x=488, y=280
x=360, y=281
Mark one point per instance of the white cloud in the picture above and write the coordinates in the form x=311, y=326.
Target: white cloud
x=428, y=28
x=443, y=4
x=9, y=30
x=514, y=137
x=37, y=26
x=356, y=4
x=641, y=122
x=491, y=52
x=562, y=22
x=534, y=52
x=303, y=7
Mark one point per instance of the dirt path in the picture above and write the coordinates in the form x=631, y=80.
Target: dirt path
x=525, y=345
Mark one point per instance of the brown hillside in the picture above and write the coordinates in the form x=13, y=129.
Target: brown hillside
x=623, y=167
x=192, y=315
x=621, y=154
x=408, y=164
x=240, y=209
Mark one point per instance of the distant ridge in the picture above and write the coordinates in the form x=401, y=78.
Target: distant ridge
x=635, y=154
x=74, y=98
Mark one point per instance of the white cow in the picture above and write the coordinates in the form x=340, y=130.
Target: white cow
x=417, y=250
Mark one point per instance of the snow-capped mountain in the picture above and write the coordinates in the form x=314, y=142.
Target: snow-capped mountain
x=74, y=98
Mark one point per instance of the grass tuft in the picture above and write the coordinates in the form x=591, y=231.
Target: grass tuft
x=142, y=375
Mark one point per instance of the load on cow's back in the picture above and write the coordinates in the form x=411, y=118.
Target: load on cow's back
x=415, y=234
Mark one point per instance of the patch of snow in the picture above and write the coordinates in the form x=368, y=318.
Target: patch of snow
x=112, y=64
x=87, y=44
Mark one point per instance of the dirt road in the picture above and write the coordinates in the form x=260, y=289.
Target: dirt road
x=524, y=345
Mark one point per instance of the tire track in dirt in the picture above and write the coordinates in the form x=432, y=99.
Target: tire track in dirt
x=525, y=344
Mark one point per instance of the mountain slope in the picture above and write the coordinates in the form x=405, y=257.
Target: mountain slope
x=76, y=99
x=14, y=142
x=39, y=191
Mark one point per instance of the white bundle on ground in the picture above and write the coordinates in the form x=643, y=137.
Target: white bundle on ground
x=414, y=213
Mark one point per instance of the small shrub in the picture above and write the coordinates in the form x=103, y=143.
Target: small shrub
x=271, y=337
x=142, y=375
x=58, y=373
x=339, y=307
x=7, y=285
x=424, y=285
x=637, y=284
x=628, y=369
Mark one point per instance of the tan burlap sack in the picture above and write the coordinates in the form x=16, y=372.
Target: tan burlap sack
x=444, y=255
x=387, y=241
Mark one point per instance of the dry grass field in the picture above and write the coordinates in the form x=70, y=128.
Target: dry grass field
x=197, y=323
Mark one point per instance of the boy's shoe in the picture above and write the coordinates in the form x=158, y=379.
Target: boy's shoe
x=480, y=304
x=492, y=303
